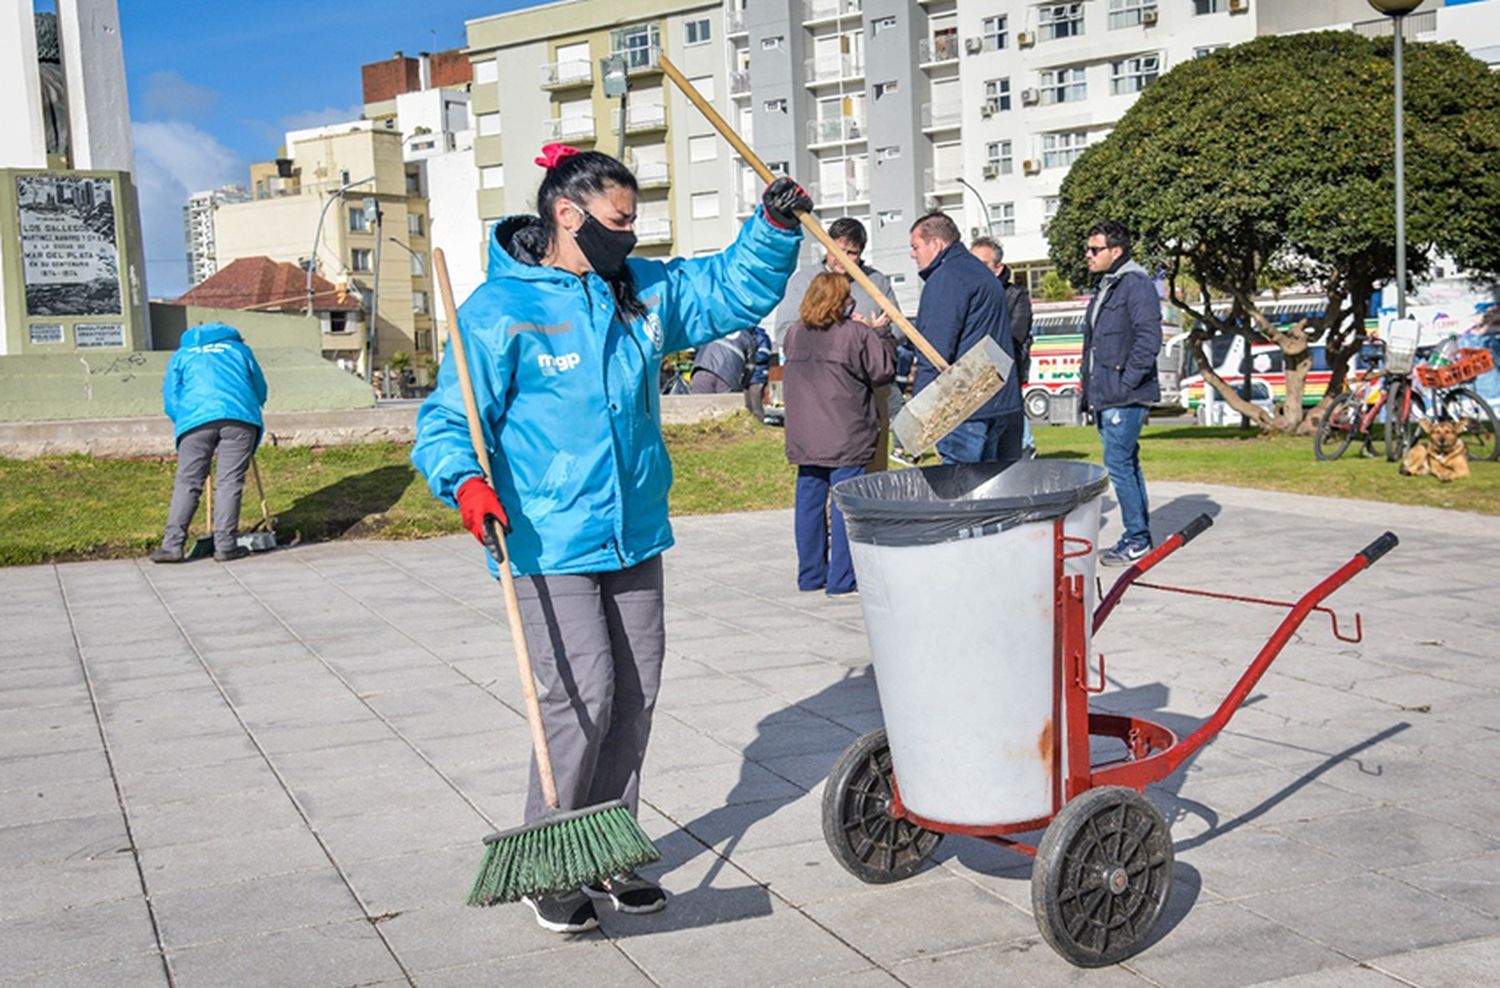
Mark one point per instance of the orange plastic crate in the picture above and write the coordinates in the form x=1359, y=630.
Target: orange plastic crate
x=1470, y=364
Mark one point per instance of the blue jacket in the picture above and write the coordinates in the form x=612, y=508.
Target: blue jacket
x=567, y=391
x=1121, y=338
x=213, y=375
x=963, y=301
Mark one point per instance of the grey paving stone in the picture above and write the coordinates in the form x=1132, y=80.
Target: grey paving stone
x=196, y=751
x=239, y=857
x=262, y=905
x=62, y=840
x=1026, y=961
x=704, y=788
x=1387, y=837
x=340, y=954
x=1246, y=861
x=52, y=886
x=410, y=881
x=57, y=801
x=72, y=937
x=250, y=773
x=137, y=970
x=1335, y=977
x=451, y=935
x=1223, y=944
x=246, y=813
x=67, y=766
x=1473, y=882
x=438, y=825
x=589, y=962
x=1453, y=965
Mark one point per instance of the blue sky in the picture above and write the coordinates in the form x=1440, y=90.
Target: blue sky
x=214, y=86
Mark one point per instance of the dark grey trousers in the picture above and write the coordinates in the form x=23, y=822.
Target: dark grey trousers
x=235, y=443
x=597, y=642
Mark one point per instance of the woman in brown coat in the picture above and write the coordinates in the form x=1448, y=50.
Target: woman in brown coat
x=834, y=362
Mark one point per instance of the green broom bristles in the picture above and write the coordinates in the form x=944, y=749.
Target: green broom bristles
x=560, y=853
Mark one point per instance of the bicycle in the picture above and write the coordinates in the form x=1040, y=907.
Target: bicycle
x=1454, y=401
x=1354, y=414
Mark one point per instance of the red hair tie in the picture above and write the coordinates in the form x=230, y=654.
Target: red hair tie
x=554, y=154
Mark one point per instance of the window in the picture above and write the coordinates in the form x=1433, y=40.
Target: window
x=1131, y=75
x=1207, y=50
x=890, y=217
x=489, y=124
x=419, y=303
x=1061, y=149
x=995, y=32
x=886, y=89
x=492, y=176
x=358, y=221
x=997, y=94
x=705, y=205
x=699, y=32
x=705, y=86
x=1003, y=216
x=890, y=153
x=998, y=154
x=774, y=106
x=344, y=177
x=1064, y=85
x=1129, y=13
x=486, y=71
x=1060, y=20
x=639, y=45
x=1049, y=209
x=418, y=267
x=423, y=339
x=770, y=44
x=1201, y=7
x=416, y=224
x=361, y=259
x=881, y=24
x=413, y=183
x=703, y=148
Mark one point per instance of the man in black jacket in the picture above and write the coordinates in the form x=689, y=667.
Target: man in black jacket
x=1018, y=300
x=963, y=302
x=1121, y=338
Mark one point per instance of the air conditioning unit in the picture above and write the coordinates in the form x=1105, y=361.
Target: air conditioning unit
x=1148, y=17
x=987, y=110
x=1031, y=166
x=992, y=170
x=974, y=45
x=1239, y=6
x=1026, y=39
x=1030, y=97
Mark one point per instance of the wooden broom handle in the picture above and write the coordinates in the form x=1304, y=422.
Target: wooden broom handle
x=507, y=580
x=809, y=221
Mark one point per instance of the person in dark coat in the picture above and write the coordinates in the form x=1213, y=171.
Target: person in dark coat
x=835, y=361
x=1121, y=338
x=963, y=302
x=724, y=365
x=1018, y=301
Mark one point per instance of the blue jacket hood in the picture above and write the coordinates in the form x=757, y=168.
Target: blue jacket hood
x=212, y=376
x=210, y=332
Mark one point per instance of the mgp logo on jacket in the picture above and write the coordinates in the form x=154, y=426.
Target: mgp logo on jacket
x=554, y=364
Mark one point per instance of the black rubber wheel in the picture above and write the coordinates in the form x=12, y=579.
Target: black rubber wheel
x=1038, y=405
x=1464, y=404
x=1102, y=876
x=1337, y=429
x=872, y=845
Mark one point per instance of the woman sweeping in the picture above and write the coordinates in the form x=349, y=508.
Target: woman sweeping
x=834, y=362
x=564, y=340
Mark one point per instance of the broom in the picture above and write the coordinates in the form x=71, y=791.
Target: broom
x=562, y=850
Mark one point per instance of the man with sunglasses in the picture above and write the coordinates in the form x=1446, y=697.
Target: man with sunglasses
x=1121, y=338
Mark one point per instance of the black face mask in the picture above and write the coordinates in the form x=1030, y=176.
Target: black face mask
x=604, y=248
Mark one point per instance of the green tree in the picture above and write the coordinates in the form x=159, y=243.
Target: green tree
x=1271, y=163
x=1055, y=288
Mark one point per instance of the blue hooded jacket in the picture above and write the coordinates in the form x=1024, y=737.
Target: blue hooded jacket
x=567, y=392
x=213, y=375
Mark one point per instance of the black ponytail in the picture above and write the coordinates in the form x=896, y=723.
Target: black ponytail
x=581, y=177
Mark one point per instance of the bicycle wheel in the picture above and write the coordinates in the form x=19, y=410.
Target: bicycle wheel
x=1403, y=408
x=1337, y=429
x=1464, y=404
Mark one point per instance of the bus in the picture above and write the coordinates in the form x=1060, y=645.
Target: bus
x=1055, y=373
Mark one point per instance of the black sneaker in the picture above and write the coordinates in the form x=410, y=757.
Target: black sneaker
x=571, y=913
x=167, y=556
x=630, y=893
x=230, y=555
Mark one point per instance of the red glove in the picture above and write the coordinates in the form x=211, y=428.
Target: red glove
x=477, y=500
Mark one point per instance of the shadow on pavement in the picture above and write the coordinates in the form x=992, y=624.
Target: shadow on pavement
x=345, y=506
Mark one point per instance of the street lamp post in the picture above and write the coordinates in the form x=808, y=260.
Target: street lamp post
x=1397, y=10
x=374, y=215
x=426, y=273
x=984, y=207
x=312, y=260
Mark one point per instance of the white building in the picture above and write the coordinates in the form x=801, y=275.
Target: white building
x=198, y=229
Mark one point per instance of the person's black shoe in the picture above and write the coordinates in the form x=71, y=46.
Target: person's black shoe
x=230, y=555
x=167, y=556
x=571, y=913
x=630, y=893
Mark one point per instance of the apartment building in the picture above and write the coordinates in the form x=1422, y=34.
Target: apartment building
x=198, y=229
x=308, y=208
x=537, y=80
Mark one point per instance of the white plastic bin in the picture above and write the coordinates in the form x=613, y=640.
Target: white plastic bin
x=956, y=578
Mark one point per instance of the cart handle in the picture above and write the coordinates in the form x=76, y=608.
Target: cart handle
x=1379, y=547
x=1136, y=570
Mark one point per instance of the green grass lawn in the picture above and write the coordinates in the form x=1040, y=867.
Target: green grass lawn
x=76, y=507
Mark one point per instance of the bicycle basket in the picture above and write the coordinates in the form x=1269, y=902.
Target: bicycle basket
x=1470, y=364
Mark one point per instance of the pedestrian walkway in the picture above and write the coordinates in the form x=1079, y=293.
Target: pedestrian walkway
x=277, y=772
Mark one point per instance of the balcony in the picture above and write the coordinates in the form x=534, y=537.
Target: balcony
x=565, y=75
x=940, y=185
x=942, y=116
x=734, y=23
x=639, y=61
x=823, y=69
x=656, y=230
x=653, y=174
x=640, y=119
x=844, y=192
x=568, y=129
x=940, y=49
x=818, y=11
x=739, y=84
x=840, y=130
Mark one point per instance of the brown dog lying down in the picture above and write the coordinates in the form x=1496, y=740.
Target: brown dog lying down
x=1441, y=453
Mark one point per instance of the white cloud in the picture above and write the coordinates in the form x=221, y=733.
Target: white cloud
x=174, y=159
x=169, y=95
x=320, y=118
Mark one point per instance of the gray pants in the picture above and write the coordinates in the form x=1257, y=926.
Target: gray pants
x=597, y=641
x=235, y=442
